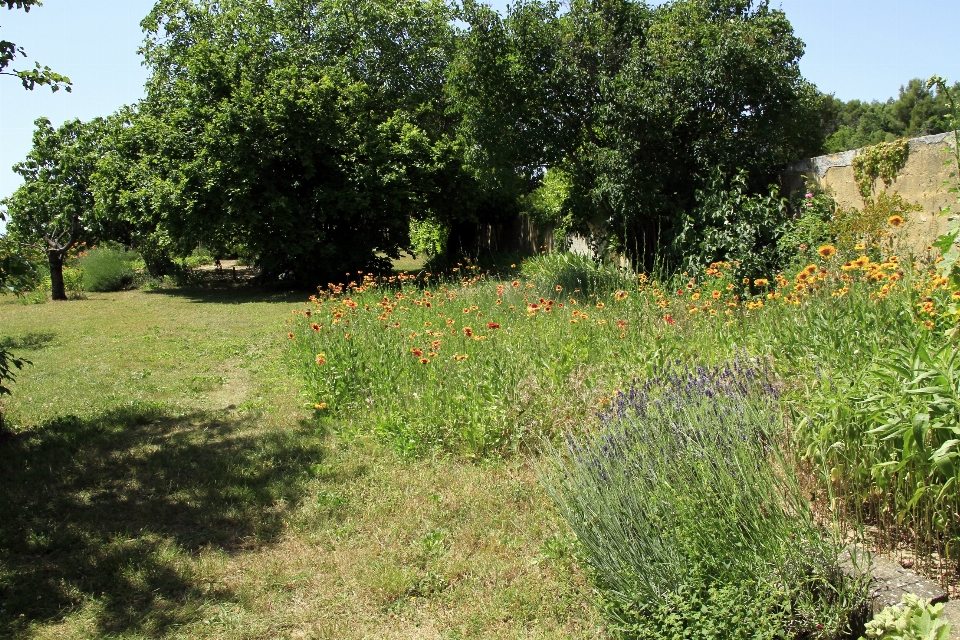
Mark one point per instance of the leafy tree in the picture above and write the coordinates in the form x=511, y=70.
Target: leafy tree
x=309, y=131
x=637, y=104
x=53, y=208
x=920, y=109
x=30, y=78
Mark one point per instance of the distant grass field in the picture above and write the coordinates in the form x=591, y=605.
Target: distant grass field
x=168, y=480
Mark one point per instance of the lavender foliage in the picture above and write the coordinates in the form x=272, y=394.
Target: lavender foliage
x=684, y=484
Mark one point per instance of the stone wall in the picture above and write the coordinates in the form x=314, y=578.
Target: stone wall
x=920, y=181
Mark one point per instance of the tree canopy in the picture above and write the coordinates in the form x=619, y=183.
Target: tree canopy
x=312, y=132
x=53, y=208
x=308, y=131
x=637, y=104
x=919, y=110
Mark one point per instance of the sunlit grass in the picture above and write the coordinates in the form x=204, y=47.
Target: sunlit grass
x=167, y=481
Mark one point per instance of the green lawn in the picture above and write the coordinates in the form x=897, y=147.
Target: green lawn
x=167, y=479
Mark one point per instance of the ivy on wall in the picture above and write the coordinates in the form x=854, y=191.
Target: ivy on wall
x=882, y=161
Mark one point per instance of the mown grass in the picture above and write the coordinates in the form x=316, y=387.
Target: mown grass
x=166, y=479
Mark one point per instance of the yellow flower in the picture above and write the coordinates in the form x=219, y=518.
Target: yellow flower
x=619, y=295
x=761, y=282
x=895, y=221
x=827, y=251
x=320, y=406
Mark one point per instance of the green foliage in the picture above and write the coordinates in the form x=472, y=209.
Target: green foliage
x=866, y=228
x=575, y=272
x=107, y=269
x=637, y=104
x=315, y=157
x=737, y=227
x=916, y=112
x=727, y=612
x=946, y=243
x=683, y=494
x=914, y=619
x=53, y=209
x=882, y=161
x=30, y=78
x=809, y=228
x=9, y=364
x=17, y=272
x=428, y=237
x=884, y=437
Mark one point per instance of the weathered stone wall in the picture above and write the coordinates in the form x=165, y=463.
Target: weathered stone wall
x=920, y=181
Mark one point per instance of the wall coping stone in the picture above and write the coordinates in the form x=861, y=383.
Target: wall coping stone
x=821, y=164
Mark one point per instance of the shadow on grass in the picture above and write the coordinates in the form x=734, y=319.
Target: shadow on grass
x=238, y=294
x=106, y=512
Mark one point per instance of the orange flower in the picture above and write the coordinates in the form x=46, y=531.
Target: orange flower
x=621, y=324
x=716, y=294
x=458, y=356
x=532, y=308
x=424, y=361
x=895, y=221
x=515, y=283
x=290, y=335
x=467, y=331
x=315, y=327
x=559, y=288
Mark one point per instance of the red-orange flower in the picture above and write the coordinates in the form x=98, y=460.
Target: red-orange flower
x=467, y=331
x=424, y=361
x=315, y=327
x=493, y=325
x=290, y=335
x=669, y=319
x=416, y=352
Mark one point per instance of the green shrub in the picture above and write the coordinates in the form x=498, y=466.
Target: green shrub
x=107, y=269
x=732, y=225
x=682, y=496
x=200, y=257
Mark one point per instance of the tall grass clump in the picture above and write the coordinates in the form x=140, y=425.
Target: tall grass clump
x=690, y=518
x=574, y=271
x=107, y=269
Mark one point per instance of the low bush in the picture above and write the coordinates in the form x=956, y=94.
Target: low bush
x=576, y=272
x=914, y=619
x=690, y=517
x=107, y=269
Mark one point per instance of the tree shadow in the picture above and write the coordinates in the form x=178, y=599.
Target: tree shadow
x=110, y=510
x=240, y=294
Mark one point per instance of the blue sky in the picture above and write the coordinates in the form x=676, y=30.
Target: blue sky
x=860, y=49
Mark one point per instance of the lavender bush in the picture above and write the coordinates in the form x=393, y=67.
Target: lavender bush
x=684, y=495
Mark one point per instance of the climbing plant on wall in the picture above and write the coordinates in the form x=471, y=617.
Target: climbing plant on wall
x=882, y=161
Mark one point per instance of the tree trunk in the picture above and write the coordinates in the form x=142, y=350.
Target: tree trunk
x=57, y=289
